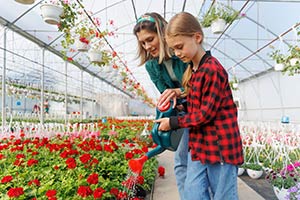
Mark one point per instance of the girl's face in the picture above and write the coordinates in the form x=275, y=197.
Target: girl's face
x=185, y=47
x=149, y=41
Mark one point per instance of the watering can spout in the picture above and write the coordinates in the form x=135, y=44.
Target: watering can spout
x=136, y=165
x=164, y=139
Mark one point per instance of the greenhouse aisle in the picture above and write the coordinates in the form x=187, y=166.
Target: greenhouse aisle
x=165, y=188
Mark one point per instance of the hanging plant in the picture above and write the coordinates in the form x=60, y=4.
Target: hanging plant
x=293, y=61
x=234, y=83
x=280, y=60
x=219, y=13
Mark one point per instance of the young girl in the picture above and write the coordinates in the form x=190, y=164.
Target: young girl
x=214, y=139
x=165, y=71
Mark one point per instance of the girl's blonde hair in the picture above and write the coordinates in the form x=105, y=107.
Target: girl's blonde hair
x=184, y=24
x=157, y=26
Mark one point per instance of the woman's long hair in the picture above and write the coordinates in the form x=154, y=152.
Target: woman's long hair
x=157, y=27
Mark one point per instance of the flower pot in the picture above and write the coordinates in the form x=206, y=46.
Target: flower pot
x=280, y=193
x=254, y=174
x=51, y=13
x=279, y=67
x=95, y=56
x=81, y=46
x=294, y=61
x=235, y=85
x=241, y=171
x=25, y=1
x=218, y=26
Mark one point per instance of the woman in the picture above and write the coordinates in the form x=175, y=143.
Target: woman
x=165, y=71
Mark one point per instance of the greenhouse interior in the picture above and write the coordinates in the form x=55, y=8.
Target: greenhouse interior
x=78, y=107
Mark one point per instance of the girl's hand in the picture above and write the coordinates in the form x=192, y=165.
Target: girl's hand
x=167, y=95
x=164, y=124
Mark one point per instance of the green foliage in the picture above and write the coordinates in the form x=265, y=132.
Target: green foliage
x=219, y=11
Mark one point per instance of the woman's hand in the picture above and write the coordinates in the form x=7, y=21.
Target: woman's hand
x=167, y=95
x=164, y=124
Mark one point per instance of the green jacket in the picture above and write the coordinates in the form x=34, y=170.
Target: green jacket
x=160, y=76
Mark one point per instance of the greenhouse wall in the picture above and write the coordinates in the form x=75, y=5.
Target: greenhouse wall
x=269, y=98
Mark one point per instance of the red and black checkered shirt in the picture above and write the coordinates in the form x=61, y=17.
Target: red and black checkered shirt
x=212, y=116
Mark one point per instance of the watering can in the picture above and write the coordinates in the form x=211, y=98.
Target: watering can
x=165, y=140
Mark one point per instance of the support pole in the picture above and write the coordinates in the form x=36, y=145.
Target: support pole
x=3, y=81
x=42, y=88
x=66, y=92
x=81, y=95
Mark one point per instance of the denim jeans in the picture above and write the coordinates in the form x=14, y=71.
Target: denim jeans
x=180, y=164
x=210, y=181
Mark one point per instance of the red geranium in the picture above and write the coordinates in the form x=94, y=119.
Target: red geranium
x=51, y=193
x=161, y=171
x=15, y=192
x=6, y=179
x=85, y=158
x=71, y=163
x=98, y=193
x=92, y=179
x=84, y=191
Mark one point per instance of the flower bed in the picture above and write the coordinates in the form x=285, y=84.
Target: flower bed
x=76, y=165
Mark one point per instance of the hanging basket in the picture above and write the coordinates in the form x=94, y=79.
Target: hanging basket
x=51, y=13
x=235, y=85
x=280, y=193
x=82, y=46
x=95, y=56
x=294, y=61
x=218, y=26
x=254, y=174
x=279, y=67
x=27, y=2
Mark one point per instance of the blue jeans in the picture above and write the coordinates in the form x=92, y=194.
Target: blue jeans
x=210, y=181
x=180, y=164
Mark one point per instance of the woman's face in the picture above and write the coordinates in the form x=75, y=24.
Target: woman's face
x=149, y=41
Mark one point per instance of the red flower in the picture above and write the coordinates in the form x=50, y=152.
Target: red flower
x=98, y=193
x=34, y=181
x=1, y=156
x=161, y=171
x=92, y=179
x=84, y=40
x=114, y=191
x=51, y=193
x=6, y=179
x=18, y=156
x=18, y=162
x=140, y=180
x=71, y=163
x=56, y=167
x=85, y=158
x=128, y=155
x=15, y=192
x=122, y=195
x=114, y=54
x=31, y=162
x=84, y=191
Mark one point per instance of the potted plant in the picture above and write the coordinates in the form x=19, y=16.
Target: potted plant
x=241, y=169
x=25, y=1
x=254, y=170
x=293, y=61
x=279, y=59
x=95, y=52
x=51, y=11
x=218, y=16
x=234, y=83
x=67, y=22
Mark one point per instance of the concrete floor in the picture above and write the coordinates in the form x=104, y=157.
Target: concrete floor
x=165, y=188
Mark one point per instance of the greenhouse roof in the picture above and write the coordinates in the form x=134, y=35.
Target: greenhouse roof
x=243, y=48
